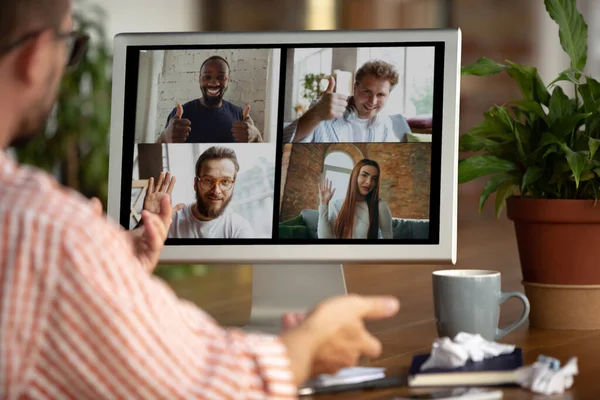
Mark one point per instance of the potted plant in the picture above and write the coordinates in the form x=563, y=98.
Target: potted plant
x=540, y=154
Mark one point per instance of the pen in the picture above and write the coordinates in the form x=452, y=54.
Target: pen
x=374, y=384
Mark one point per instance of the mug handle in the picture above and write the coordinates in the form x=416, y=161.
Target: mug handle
x=500, y=333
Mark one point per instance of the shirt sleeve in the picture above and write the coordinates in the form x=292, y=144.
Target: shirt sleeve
x=115, y=331
x=289, y=133
x=385, y=220
x=326, y=222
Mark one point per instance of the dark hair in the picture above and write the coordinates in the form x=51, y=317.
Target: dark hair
x=344, y=224
x=217, y=58
x=379, y=69
x=217, y=153
x=22, y=17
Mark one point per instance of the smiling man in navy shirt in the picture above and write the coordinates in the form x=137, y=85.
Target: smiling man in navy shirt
x=210, y=119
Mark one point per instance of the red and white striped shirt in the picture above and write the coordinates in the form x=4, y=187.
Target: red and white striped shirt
x=80, y=318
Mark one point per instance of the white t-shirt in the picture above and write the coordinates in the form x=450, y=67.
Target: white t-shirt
x=359, y=131
x=328, y=216
x=228, y=226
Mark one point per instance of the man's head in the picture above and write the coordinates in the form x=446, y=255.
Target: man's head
x=214, y=79
x=216, y=171
x=373, y=83
x=36, y=45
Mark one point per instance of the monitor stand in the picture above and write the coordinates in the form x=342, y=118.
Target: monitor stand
x=284, y=288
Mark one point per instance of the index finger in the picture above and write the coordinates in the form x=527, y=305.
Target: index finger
x=376, y=307
x=161, y=176
x=171, y=185
x=163, y=185
x=150, y=185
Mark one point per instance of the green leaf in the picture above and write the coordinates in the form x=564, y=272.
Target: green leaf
x=576, y=162
x=504, y=191
x=488, y=129
x=529, y=82
x=548, y=138
x=531, y=176
x=552, y=149
x=505, y=151
x=559, y=169
x=495, y=125
x=590, y=93
x=560, y=105
x=586, y=176
x=492, y=185
x=569, y=75
x=572, y=30
x=470, y=143
x=483, y=67
x=565, y=125
x=501, y=115
x=594, y=144
x=521, y=135
x=533, y=107
x=480, y=165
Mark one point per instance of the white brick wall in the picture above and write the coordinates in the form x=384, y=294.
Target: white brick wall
x=178, y=81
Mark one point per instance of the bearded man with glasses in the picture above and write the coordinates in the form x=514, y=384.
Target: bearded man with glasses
x=214, y=181
x=81, y=315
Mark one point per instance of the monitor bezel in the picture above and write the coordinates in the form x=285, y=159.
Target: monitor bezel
x=442, y=252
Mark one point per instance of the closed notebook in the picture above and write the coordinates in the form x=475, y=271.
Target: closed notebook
x=495, y=371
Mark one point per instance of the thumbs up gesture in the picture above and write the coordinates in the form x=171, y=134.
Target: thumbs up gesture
x=245, y=131
x=331, y=105
x=178, y=129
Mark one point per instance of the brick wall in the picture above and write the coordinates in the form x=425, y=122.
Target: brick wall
x=405, y=172
x=404, y=181
x=285, y=163
x=302, y=178
x=248, y=80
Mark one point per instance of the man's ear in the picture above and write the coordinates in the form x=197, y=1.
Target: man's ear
x=34, y=59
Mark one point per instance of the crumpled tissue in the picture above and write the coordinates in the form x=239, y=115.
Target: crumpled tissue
x=455, y=353
x=546, y=376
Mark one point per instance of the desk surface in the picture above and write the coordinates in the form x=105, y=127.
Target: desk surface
x=483, y=243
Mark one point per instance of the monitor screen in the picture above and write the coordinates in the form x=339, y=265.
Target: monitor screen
x=298, y=146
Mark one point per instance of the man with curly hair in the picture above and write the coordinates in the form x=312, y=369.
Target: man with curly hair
x=336, y=117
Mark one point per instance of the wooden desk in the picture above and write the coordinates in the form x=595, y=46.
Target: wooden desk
x=483, y=243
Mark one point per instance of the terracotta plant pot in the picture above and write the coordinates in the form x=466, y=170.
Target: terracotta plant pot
x=559, y=250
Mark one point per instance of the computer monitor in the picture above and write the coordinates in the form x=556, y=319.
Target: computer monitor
x=294, y=151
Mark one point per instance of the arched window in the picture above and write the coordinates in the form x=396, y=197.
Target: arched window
x=337, y=168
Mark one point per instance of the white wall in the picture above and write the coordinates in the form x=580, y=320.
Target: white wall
x=150, y=69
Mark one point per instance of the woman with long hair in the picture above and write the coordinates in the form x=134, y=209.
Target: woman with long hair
x=362, y=214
